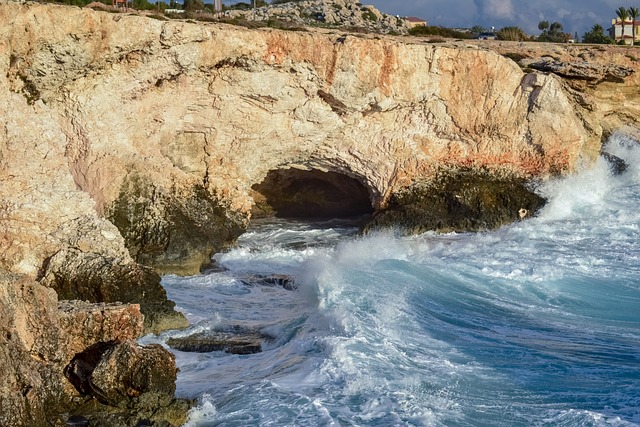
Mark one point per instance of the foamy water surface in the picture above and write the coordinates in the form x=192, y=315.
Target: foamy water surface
x=535, y=324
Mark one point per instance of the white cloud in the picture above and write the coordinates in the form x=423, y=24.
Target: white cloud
x=495, y=9
x=574, y=15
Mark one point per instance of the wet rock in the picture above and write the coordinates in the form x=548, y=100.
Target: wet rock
x=95, y=278
x=172, y=233
x=229, y=342
x=281, y=280
x=616, y=164
x=77, y=421
x=116, y=372
x=147, y=410
x=458, y=202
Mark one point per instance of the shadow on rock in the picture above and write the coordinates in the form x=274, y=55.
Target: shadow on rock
x=131, y=385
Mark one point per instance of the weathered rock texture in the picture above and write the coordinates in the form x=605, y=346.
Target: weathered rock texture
x=340, y=13
x=39, y=339
x=127, y=140
x=164, y=127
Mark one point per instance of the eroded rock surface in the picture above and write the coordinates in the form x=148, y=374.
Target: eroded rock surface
x=39, y=337
x=127, y=140
x=342, y=13
x=460, y=202
x=229, y=342
x=163, y=128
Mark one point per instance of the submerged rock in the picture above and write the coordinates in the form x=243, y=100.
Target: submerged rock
x=286, y=282
x=229, y=342
x=616, y=164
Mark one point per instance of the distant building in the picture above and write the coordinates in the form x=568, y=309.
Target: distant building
x=125, y=4
x=413, y=22
x=615, y=32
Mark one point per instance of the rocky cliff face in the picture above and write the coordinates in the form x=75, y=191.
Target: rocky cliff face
x=128, y=140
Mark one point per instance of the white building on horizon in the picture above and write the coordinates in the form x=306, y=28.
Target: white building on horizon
x=615, y=32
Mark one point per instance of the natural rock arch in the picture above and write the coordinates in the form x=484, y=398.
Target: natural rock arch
x=297, y=193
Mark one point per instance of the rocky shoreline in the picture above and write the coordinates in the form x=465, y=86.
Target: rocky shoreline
x=132, y=147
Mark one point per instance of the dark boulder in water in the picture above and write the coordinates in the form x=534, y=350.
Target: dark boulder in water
x=229, y=342
x=462, y=201
x=282, y=280
x=617, y=165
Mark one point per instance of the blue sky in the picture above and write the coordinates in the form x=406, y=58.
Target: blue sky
x=574, y=15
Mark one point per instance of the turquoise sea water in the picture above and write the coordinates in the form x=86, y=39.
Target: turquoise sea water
x=535, y=324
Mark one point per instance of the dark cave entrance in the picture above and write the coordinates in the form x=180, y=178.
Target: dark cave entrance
x=310, y=194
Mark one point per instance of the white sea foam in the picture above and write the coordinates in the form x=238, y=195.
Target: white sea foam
x=533, y=324
x=202, y=414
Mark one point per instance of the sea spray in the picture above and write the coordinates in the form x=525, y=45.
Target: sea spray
x=536, y=323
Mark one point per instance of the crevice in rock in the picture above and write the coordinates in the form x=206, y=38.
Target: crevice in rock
x=336, y=105
x=295, y=193
x=79, y=370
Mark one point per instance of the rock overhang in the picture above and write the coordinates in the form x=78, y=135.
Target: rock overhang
x=313, y=193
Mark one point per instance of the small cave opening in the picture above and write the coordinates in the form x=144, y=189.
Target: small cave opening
x=310, y=194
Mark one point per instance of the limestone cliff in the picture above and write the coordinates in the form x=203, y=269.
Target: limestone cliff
x=128, y=140
x=151, y=123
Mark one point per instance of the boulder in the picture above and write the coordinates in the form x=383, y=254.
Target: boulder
x=282, y=280
x=116, y=372
x=458, y=202
x=96, y=278
x=229, y=342
x=39, y=336
x=616, y=164
x=87, y=324
x=128, y=384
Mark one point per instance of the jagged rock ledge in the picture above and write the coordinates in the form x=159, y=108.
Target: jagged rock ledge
x=112, y=380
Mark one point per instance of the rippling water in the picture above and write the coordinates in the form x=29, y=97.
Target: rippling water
x=536, y=324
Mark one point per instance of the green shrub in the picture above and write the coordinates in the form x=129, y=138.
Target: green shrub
x=430, y=30
x=511, y=34
x=369, y=15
